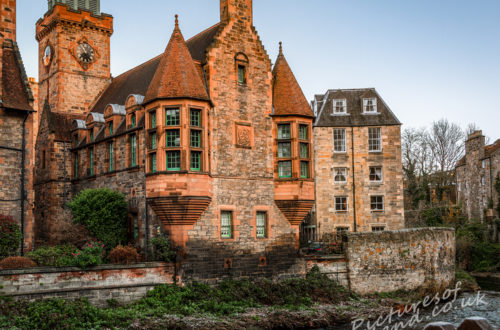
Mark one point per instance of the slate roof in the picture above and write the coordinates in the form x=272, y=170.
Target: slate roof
x=288, y=98
x=176, y=76
x=15, y=92
x=60, y=125
x=137, y=80
x=488, y=151
x=355, y=117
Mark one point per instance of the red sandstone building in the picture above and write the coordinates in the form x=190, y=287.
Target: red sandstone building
x=17, y=122
x=208, y=142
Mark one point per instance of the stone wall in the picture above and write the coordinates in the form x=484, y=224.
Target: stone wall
x=327, y=189
x=402, y=259
x=122, y=283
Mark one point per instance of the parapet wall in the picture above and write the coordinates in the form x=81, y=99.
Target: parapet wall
x=402, y=259
x=98, y=284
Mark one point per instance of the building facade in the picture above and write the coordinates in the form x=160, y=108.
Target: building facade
x=476, y=175
x=16, y=129
x=208, y=142
x=359, y=175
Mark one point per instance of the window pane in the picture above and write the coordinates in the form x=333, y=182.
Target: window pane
x=284, y=131
x=76, y=166
x=261, y=224
x=339, y=140
x=154, y=141
x=91, y=161
x=111, y=157
x=111, y=128
x=339, y=106
x=132, y=120
x=304, y=170
x=341, y=204
x=304, y=150
x=374, y=139
x=377, y=203
x=225, y=228
x=375, y=173
x=195, y=117
x=173, y=138
x=284, y=150
x=340, y=175
x=133, y=151
x=91, y=135
x=195, y=161
x=173, y=160
x=153, y=119
x=241, y=74
x=285, y=169
x=153, y=162
x=195, y=139
x=303, y=132
x=172, y=117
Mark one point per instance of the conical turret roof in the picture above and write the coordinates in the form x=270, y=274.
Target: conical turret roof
x=176, y=75
x=288, y=98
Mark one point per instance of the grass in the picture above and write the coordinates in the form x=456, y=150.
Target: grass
x=228, y=298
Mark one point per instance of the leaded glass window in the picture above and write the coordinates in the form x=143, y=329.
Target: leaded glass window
x=173, y=160
x=173, y=117
x=226, y=224
x=261, y=224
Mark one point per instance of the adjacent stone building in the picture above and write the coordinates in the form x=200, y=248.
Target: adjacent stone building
x=357, y=147
x=16, y=128
x=476, y=174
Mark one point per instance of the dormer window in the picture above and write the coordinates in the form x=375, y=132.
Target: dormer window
x=241, y=68
x=370, y=105
x=340, y=107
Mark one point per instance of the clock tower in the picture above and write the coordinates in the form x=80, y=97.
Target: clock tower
x=74, y=54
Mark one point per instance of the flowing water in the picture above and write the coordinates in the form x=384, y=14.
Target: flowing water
x=484, y=304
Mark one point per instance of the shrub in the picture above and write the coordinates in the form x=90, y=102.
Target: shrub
x=53, y=256
x=104, y=213
x=162, y=249
x=91, y=255
x=123, y=255
x=10, y=236
x=16, y=262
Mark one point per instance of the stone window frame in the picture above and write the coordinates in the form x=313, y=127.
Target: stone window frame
x=335, y=106
x=375, y=174
x=374, y=205
x=374, y=139
x=231, y=213
x=346, y=174
x=339, y=140
x=241, y=63
x=261, y=210
x=370, y=103
x=340, y=203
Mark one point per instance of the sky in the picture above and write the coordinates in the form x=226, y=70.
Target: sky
x=428, y=59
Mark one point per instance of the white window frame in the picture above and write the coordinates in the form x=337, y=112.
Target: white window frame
x=342, y=229
x=344, y=107
x=381, y=174
x=383, y=203
x=483, y=164
x=346, y=204
x=483, y=181
x=373, y=105
x=343, y=141
x=344, y=169
x=374, y=140
x=378, y=226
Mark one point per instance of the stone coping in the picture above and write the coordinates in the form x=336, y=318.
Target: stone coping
x=41, y=270
x=400, y=231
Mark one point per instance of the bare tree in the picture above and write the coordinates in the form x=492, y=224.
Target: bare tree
x=416, y=151
x=446, y=142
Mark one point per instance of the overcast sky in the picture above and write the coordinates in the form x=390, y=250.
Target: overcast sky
x=428, y=59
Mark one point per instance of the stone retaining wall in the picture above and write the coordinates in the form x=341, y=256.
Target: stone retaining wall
x=402, y=259
x=121, y=283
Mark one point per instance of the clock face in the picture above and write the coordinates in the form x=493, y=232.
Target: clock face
x=47, y=55
x=85, y=53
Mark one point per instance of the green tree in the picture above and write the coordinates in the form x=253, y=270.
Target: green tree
x=104, y=213
x=10, y=236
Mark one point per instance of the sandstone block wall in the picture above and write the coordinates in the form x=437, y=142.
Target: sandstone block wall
x=125, y=284
x=327, y=189
x=402, y=259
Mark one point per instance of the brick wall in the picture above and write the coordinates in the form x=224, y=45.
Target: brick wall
x=8, y=19
x=327, y=189
x=125, y=284
x=403, y=259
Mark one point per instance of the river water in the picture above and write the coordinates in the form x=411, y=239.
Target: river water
x=484, y=304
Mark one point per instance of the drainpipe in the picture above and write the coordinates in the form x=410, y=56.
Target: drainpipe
x=23, y=169
x=353, y=181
